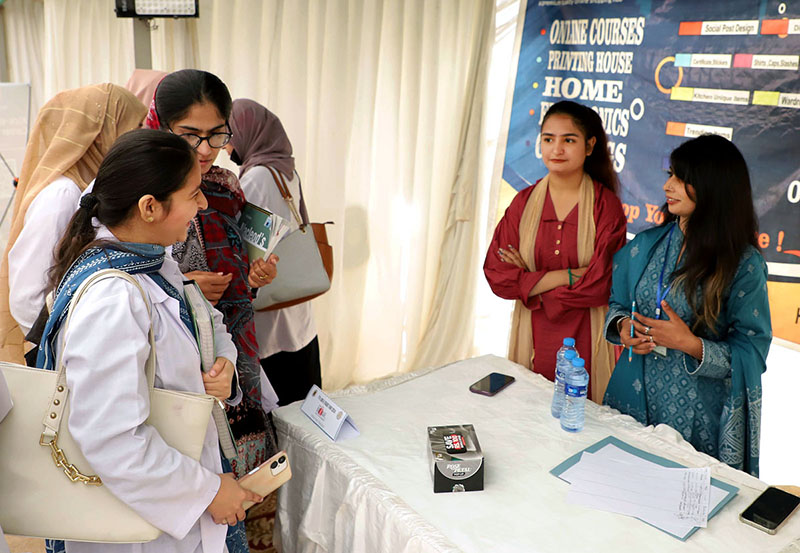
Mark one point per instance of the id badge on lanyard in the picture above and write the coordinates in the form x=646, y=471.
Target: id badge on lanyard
x=662, y=292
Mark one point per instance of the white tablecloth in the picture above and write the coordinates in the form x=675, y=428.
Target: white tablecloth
x=374, y=493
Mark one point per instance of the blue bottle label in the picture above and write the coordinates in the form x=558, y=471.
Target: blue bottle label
x=575, y=391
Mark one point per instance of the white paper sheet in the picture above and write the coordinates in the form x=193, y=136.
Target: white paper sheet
x=672, y=499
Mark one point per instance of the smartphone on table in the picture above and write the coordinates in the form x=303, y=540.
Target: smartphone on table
x=490, y=384
x=770, y=510
x=267, y=477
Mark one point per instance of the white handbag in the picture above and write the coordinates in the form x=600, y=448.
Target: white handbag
x=46, y=486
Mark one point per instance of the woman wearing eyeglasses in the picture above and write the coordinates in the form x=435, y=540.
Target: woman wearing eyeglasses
x=196, y=105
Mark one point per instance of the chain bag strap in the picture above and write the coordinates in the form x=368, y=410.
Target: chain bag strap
x=52, y=419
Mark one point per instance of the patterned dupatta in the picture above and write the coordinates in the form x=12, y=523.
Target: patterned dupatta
x=521, y=347
x=133, y=258
x=225, y=252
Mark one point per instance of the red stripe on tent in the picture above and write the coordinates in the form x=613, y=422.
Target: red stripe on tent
x=690, y=28
x=775, y=27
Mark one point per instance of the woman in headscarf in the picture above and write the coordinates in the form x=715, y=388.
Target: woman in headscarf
x=70, y=138
x=287, y=338
x=143, y=83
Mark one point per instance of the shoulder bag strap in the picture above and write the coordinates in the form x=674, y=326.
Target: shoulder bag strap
x=55, y=411
x=284, y=190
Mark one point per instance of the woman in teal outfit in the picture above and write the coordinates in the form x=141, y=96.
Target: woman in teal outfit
x=697, y=358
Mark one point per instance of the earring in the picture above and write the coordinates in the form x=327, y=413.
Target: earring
x=149, y=219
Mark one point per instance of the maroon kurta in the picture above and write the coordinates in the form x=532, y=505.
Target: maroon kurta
x=563, y=311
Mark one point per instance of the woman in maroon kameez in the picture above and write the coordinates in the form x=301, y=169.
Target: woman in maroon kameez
x=552, y=250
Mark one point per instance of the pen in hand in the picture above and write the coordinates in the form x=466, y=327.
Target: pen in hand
x=633, y=317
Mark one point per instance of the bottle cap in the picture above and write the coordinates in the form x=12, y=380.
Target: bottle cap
x=570, y=354
x=569, y=342
x=578, y=362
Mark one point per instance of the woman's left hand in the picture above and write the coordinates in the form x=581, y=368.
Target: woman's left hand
x=217, y=381
x=263, y=272
x=672, y=332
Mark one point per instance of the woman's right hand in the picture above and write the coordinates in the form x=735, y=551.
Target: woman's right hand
x=212, y=285
x=226, y=508
x=641, y=344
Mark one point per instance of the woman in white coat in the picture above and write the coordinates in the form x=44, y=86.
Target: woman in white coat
x=72, y=134
x=146, y=193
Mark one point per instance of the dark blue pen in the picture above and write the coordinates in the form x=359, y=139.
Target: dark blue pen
x=633, y=316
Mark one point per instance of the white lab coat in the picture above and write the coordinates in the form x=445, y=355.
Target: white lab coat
x=104, y=353
x=32, y=254
x=5, y=407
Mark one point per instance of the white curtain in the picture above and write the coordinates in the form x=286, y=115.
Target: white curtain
x=384, y=104
x=377, y=98
x=87, y=44
x=61, y=44
x=24, y=26
x=173, y=44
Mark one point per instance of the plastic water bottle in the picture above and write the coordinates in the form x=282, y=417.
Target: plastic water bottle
x=576, y=385
x=564, y=358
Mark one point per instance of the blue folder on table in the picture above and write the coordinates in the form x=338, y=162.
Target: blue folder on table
x=611, y=440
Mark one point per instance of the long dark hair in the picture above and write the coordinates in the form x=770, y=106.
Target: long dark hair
x=140, y=162
x=722, y=224
x=179, y=91
x=598, y=165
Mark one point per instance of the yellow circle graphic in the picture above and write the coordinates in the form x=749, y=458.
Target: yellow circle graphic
x=658, y=70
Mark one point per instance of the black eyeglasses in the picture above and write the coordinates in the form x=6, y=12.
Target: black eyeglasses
x=215, y=140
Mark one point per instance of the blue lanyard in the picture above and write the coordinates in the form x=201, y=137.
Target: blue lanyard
x=661, y=296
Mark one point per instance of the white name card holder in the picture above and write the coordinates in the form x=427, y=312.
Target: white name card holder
x=331, y=418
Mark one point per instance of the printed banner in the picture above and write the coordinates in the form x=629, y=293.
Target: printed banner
x=659, y=73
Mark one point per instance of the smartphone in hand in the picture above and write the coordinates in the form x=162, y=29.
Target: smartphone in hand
x=490, y=384
x=267, y=477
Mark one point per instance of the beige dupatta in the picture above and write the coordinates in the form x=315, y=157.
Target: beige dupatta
x=521, y=348
x=71, y=136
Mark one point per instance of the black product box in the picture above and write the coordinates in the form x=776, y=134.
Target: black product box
x=455, y=458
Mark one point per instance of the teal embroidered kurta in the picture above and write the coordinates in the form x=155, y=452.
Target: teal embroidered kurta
x=715, y=403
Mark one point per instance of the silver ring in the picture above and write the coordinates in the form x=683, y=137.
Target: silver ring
x=647, y=330
x=651, y=339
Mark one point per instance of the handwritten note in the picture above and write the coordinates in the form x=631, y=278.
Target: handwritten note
x=693, y=505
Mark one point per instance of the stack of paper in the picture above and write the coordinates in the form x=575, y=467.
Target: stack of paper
x=261, y=230
x=675, y=500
